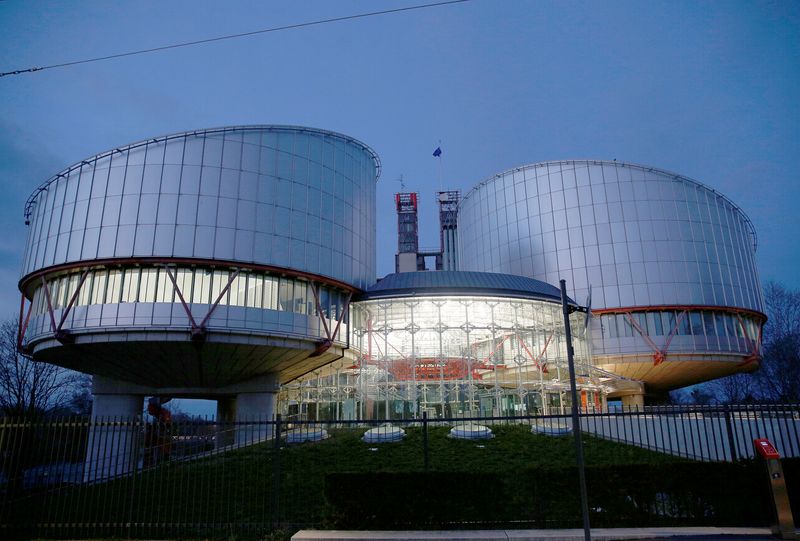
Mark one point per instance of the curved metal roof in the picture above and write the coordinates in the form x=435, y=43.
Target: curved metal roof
x=446, y=283
x=209, y=131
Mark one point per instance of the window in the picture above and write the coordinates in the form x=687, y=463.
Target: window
x=609, y=323
x=720, y=323
x=325, y=301
x=270, y=293
x=165, y=290
x=72, y=285
x=218, y=282
x=201, y=292
x=696, y=322
x=624, y=326
x=130, y=285
x=255, y=291
x=86, y=289
x=738, y=327
x=184, y=277
x=38, y=303
x=708, y=324
x=99, y=287
x=147, y=285
x=53, y=287
x=285, y=294
x=641, y=320
x=113, y=287
x=301, y=297
x=202, y=286
x=335, y=299
x=654, y=326
x=685, y=327
x=238, y=290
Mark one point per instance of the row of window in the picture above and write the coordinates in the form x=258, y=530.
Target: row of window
x=692, y=323
x=196, y=285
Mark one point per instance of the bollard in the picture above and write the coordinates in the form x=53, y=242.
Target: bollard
x=783, y=525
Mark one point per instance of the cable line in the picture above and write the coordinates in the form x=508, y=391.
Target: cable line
x=234, y=36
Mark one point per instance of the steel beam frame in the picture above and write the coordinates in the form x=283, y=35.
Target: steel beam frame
x=537, y=360
x=679, y=308
x=326, y=344
x=29, y=279
x=753, y=344
x=659, y=354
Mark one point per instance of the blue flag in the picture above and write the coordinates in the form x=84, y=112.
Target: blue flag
x=437, y=152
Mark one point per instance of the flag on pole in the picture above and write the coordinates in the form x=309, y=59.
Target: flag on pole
x=437, y=152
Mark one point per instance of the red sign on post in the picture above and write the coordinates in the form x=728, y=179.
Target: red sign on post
x=765, y=448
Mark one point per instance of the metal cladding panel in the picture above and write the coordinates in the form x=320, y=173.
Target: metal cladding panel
x=642, y=239
x=273, y=195
x=639, y=236
x=407, y=284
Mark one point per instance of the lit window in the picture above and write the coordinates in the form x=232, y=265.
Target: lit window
x=130, y=285
x=113, y=287
x=147, y=285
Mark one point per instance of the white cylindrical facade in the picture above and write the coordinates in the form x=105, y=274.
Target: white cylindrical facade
x=661, y=247
x=258, y=234
x=283, y=196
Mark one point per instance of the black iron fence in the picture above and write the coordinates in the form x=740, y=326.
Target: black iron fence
x=81, y=477
x=708, y=433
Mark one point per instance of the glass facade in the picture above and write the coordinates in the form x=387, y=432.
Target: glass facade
x=688, y=331
x=146, y=296
x=282, y=196
x=449, y=356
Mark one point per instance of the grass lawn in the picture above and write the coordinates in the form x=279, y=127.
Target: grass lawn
x=513, y=448
x=239, y=486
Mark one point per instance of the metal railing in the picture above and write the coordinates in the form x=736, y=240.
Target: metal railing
x=80, y=477
x=708, y=433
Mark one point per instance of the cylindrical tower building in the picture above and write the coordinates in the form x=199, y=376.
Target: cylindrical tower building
x=198, y=262
x=670, y=263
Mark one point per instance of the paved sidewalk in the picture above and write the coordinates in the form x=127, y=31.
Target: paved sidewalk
x=598, y=534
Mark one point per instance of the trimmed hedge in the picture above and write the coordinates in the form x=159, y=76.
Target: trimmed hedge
x=669, y=494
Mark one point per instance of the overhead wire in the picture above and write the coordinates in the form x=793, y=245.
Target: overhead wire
x=235, y=36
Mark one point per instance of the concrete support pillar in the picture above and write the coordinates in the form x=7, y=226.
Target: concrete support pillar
x=115, y=430
x=633, y=401
x=226, y=417
x=604, y=402
x=255, y=408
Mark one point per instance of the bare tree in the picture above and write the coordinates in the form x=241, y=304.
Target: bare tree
x=779, y=376
x=695, y=395
x=735, y=389
x=28, y=387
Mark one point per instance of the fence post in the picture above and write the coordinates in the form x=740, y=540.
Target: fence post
x=425, y=438
x=137, y=427
x=276, y=474
x=729, y=428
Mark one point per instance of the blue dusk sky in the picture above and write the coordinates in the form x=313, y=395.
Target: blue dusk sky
x=710, y=90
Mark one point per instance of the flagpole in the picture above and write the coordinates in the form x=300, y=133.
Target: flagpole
x=440, y=165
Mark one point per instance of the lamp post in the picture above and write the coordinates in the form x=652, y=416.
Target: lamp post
x=576, y=423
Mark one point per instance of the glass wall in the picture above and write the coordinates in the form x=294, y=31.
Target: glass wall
x=449, y=357
x=135, y=291
x=710, y=330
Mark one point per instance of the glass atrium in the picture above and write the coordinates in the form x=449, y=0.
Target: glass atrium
x=451, y=356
